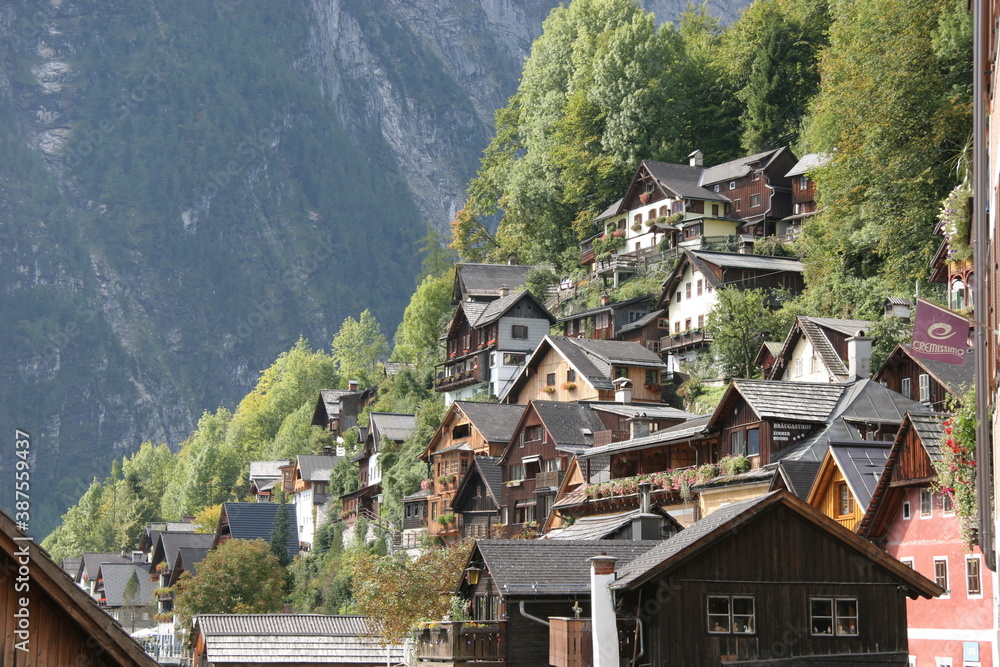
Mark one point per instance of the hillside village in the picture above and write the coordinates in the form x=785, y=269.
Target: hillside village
x=658, y=457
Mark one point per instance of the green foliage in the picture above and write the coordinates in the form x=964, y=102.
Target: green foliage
x=359, y=348
x=893, y=112
x=423, y=320
x=239, y=577
x=956, y=471
x=398, y=593
x=740, y=322
x=540, y=281
x=280, y=535
x=129, y=600
x=888, y=333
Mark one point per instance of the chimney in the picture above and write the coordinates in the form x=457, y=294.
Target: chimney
x=352, y=385
x=328, y=450
x=512, y=259
x=605, y=299
x=859, y=355
x=638, y=425
x=623, y=390
x=504, y=291
x=696, y=158
x=604, y=621
x=138, y=557
x=645, y=526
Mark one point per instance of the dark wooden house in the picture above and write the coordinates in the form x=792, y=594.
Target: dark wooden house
x=479, y=498
x=933, y=383
x=487, y=282
x=769, y=581
x=383, y=427
x=512, y=588
x=337, y=410
x=607, y=320
x=803, y=191
x=547, y=437
x=47, y=620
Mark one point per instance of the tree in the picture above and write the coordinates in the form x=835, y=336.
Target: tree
x=280, y=535
x=423, y=320
x=397, y=593
x=739, y=323
x=207, y=520
x=129, y=599
x=239, y=577
x=359, y=348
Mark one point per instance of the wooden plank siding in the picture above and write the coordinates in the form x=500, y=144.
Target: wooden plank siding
x=554, y=364
x=913, y=465
x=893, y=373
x=781, y=586
x=522, y=447
x=828, y=499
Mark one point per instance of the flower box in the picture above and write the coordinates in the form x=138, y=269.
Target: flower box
x=549, y=389
x=569, y=386
x=645, y=197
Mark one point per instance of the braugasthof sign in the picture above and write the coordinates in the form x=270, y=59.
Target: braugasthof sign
x=789, y=432
x=939, y=334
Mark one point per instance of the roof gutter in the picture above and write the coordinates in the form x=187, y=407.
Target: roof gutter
x=520, y=608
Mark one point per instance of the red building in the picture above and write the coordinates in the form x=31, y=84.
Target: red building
x=921, y=528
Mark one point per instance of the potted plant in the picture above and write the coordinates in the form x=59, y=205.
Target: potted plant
x=636, y=226
x=569, y=386
x=549, y=389
x=645, y=197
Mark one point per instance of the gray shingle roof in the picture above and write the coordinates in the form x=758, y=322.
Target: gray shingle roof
x=169, y=543
x=92, y=563
x=682, y=180
x=862, y=464
x=807, y=162
x=473, y=310
x=735, y=260
x=394, y=426
x=692, y=427
x=728, y=171
x=266, y=469
x=610, y=211
x=798, y=476
x=930, y=428
x=190, y=557
x=71, y=566
x=479, y=280
x=571, y=425
x=649, y=410
x=593, y=527
x=550, y=568
x=496, y=309
x=495, y=421
x=116, y=575
x=316, y=468
x=293, y=638
x=253, y=521
x=641, y=322
x=794, y=401
x=666, y=550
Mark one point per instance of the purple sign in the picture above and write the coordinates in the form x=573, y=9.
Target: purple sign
x=939, y=334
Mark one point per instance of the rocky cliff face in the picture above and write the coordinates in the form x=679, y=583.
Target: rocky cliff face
x=186, y=188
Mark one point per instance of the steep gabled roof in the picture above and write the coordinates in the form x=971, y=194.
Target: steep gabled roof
x=549, y=568
x=486, y=469
x=495, y=421
x=392, y=425
x=808, y=162
x=729, y=171
x=256, y=521
x=792, y=401
x=117, y=575
x=315, y=467
x=610, y=211
x=496, y=309
x=797, y=476
x=718, y=525
x=92, y=563
x=187, y=560
x=814, y=330
x=957, y=379
x=169, y=543
x=571, y=425
x=703, y=260
x=861, y=463
x=681, y=180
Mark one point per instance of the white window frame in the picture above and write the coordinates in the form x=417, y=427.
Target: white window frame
x=945, y=499
x=904, y=387
x=907, y=561
x=798, y=368
x=907, y=513
x=732, y=185
x=926, y=498
x=925, y=387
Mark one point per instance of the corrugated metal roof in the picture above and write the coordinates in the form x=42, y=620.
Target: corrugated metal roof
x=740, y=261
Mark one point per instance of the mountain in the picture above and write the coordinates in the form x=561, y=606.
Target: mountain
x=187, y=187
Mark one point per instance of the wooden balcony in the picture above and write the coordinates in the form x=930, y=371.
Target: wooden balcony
x=458, y=643
x=684, y=340
x=549, y=479
x=461, y=379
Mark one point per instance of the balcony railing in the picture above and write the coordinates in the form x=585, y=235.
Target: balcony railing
x=458, y=380
x=549, y=479
x=684, y=339
x=460, y=642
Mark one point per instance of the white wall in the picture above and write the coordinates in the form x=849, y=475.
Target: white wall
x=304, y=515
x=813, y=369
x=693, y=307
x=374, y=469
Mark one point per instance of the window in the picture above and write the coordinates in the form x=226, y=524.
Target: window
x=756, y=176
x=925, y=387
x=550, y=379
x=634, y=315
x=677, y=327
x=803, y=183
x=926, y=503
x=973, y=579
x=571, y=375
x=663, y=323
x=732, y=185
x=904, y=387
x=687, y=290
x=638, y=218
x=701, y=321
x=620, y=372
x=511, y=359
x=652, y=376
x=798, y=368
x=908, y=562
x=906, y=510
x=434, y=510
x=519, y=332
x=730, y=614
x=715, y=210
x=687, y=324
x=698, y=288
x=716, y=188
x=941, y=573
x=678, y=295
x=739, y=444
x=516, y=473
x=754, y=201
x=736, y=205
x=947, y=504
x=845, y=501
x=834, y=616
x=653, y=345
x=749, y=278
x=753, y=441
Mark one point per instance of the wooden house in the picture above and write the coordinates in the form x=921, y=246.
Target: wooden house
x=135, y=612
x=48, y=621
x=803, y=191
x=235, y=640
x=488, y=282
x=512, y=589
x=768, y=421
x=468, y=429
x=337, y=410
x=645, y=331
x=310, y=492
x=607, y=320
x=846, y=480
x=479, y=498
x=414, y=519
x=821, y=595
x=579, y=369
x=955, y=270
x=545, y=440
x=933, y=383
x=824, y=349
x=765, y=356
x=920, y=527
x=487, y=342
x=689, y=293
x=384, y=427
x=253, y=521
x=264, y=477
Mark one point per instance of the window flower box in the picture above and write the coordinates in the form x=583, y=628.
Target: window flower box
x=514, y=482
x=645, y=197
x=569, y=386
x=549, y=389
